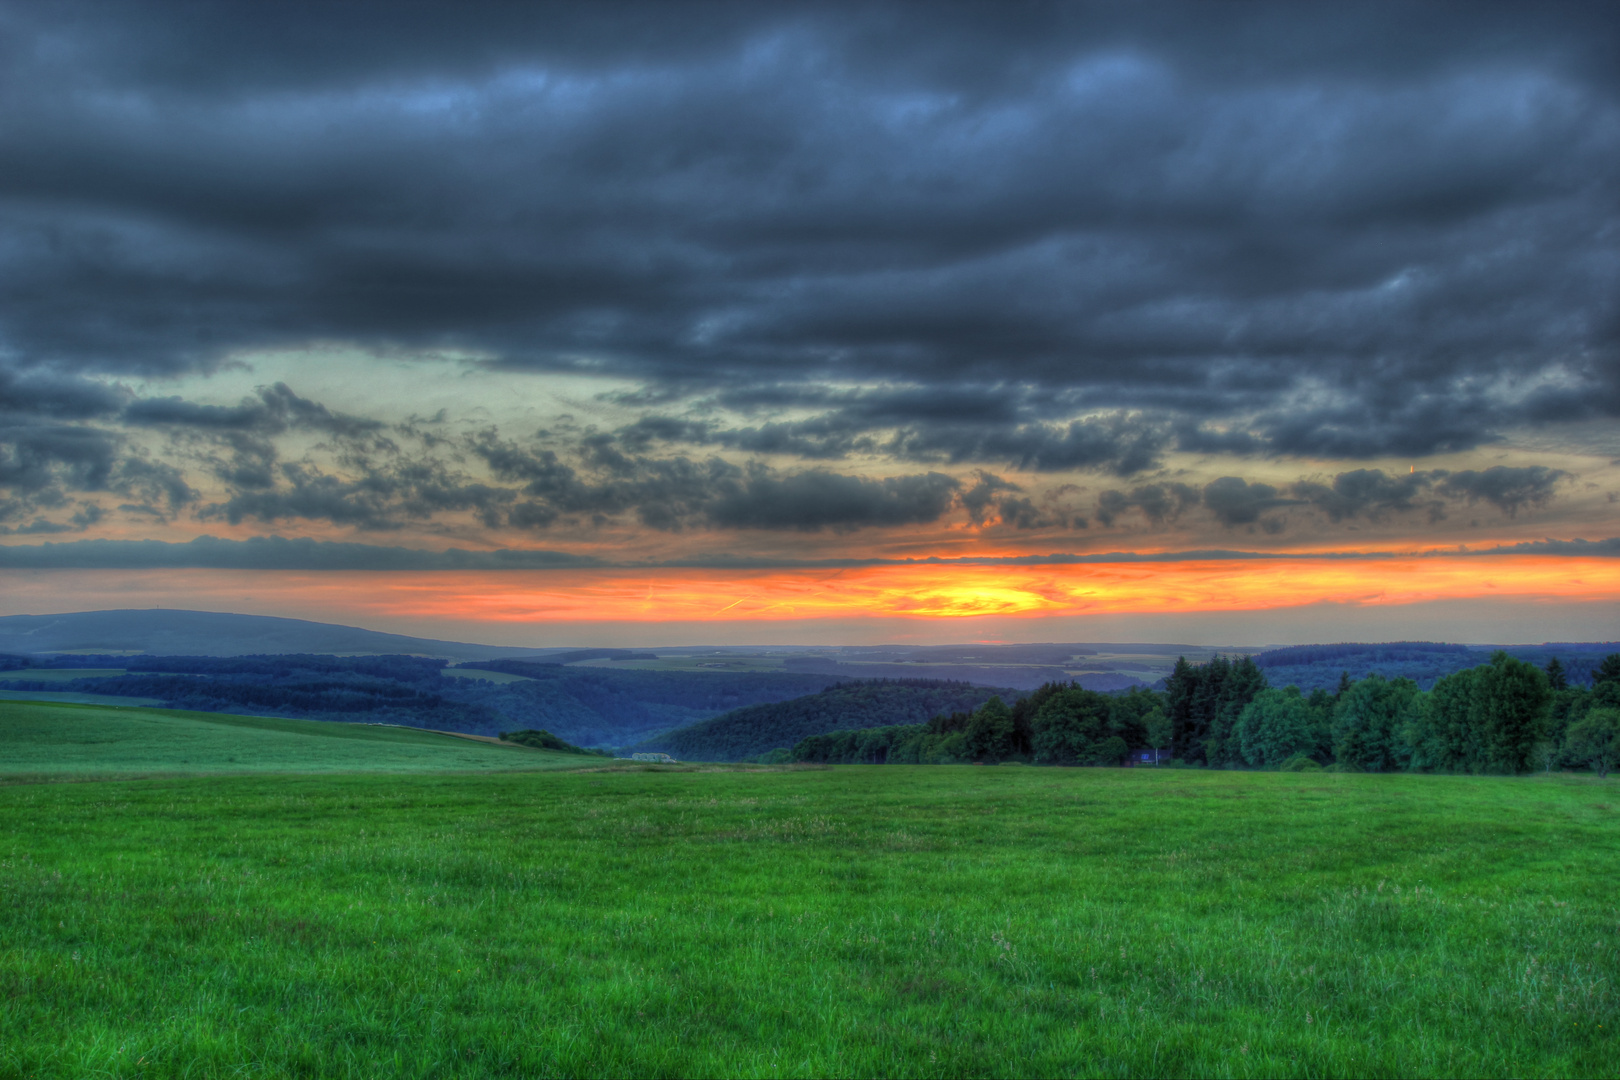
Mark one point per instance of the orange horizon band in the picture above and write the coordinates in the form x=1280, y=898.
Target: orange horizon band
x=933, y=592
x=926, y=593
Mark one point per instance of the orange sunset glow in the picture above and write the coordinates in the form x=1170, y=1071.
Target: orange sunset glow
x=918, y=593
x=958, y=592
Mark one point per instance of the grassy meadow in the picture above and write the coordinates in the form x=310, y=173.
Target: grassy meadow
x=862, y=921
x=40, y=740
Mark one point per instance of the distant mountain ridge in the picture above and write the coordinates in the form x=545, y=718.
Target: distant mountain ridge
x=1311, y=667
x=177, y=632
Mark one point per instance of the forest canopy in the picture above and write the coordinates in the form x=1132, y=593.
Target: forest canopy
x=1506, y=716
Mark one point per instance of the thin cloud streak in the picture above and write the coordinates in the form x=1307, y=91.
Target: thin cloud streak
x=304, y=554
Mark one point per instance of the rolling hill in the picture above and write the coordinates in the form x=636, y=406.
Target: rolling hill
x=173, y=632
x=43, y=740
x=759, y=729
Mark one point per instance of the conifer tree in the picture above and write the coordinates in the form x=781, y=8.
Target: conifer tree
x=1555, y=676
x=1608, y=671
x=1179, y=690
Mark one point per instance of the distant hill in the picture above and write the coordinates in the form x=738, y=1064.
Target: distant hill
x=595, y=706
x=759, y=729
x=1424, y=662
x=1022, y=678
x=587, y=706
x=170, y=632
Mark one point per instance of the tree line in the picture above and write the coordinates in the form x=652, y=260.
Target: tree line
x=1505, y=716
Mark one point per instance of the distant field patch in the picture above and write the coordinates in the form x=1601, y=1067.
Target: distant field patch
x=497, y=677
x=52, y=739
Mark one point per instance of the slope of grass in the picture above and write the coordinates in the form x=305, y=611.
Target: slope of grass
x=889, y=921
x=48, y=739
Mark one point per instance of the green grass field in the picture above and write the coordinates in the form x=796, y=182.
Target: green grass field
x=42, y=740
x=861, y=921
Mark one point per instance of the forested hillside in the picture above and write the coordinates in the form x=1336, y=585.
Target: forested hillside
x=1505, y=716
x=609, y=707
x=759, y=729
x=1312, y=667
x=585, y=706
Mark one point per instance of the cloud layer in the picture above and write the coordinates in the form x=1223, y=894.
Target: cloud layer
x=874, y=269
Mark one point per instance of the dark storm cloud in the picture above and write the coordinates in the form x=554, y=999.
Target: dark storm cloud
x=37, y=456
x=279, y=553
x=1235, y=501
x=272, y=553
x=1158, y=503
x=814, y=500
x=1374, y=494
x=272, y=410
x=1008, y=425
x=44, y=394
x=1507, y=488
x=1352, y=231
x=1364, y=492
x=600, y=483
x=1358, y=493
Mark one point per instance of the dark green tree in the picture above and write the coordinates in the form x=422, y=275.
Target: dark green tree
x=1511, y=702
x=991, y=734
x=1111, y=751
x=1179, y=690
x=1206, y=707
x=1594, y=740
x=1243, y=681
x=1368, y=724
x=1608, y=671
x=1344, y=685
x=1275, y=726
x=1157, y=727
x=1024, y=710
x=1555, y=676
x=1070, y=727
x=1443, y=735
x=1128, y=713
x=1321, y=705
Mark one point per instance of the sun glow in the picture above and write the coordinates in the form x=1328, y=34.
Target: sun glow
x=925, y=594
x=915, y=592
x=958, y=592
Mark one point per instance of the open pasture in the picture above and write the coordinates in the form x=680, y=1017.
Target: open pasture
x=50, y=739
x=897, y=921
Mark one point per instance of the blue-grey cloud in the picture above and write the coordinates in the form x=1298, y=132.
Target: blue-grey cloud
x=1508, y=488
x=1159, y=503
x=1300, y=230
x=814, y=500
x=279, y=553
x=1368, y=493
x=1235, y=501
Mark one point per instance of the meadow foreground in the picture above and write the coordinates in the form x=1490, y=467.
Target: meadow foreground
x=911, y=921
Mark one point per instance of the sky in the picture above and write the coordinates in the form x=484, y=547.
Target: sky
x=656, y=323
